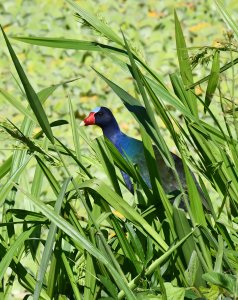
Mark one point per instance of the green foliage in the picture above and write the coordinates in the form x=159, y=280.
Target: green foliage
x=67, y=232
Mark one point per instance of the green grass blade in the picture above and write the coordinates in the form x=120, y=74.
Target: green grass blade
x=138, y=76
x=26, y=128
x=111, y=288
x=69, y=44
x=122, y=240
x=49, y=242
x=31, y=94
x=160, y=109
x=90, y=278
x=226, y=281
x=37, y=182
x=71, y=276
x=135, y=73
x=74, y=131
x=80, y=241
x=182, y=52
x=11, y=252
x=51, y=178
x=227, y=17
x=84, y=46
x=217, y=135
x=26, y=279
x=45, y=93
x=194, y=196
x=213, y=81
x=5, y=167
x=125, y=245
x=106, y=160
x=183, y=228
x=152, y=267
x=96, y=23
x=220, y=253
x=135, y=241
x=171, y=100
x=151, y=161
x=17, y=104
x=71, y=154
x=8, y=185
x=184, y=64
x=226, y=67
x=124, y=208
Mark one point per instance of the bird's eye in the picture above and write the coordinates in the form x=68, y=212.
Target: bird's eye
x=100, y=114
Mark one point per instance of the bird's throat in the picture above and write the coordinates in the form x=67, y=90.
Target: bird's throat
x=112, y=131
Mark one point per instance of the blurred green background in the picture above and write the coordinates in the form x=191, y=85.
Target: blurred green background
x=148, y=25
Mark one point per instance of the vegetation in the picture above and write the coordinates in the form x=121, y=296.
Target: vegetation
x=76, y=235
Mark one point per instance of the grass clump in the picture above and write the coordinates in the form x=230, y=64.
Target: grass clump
x=88, y=238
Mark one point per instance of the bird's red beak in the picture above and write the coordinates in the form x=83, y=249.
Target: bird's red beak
x=90, y=120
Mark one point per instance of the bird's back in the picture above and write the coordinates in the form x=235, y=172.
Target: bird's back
x=133, y=149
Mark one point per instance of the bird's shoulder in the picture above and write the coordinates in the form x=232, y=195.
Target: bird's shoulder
x=131, y=146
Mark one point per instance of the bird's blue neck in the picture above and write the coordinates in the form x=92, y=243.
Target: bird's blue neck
x=111, y=131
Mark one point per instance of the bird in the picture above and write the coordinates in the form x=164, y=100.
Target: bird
x=133, y=150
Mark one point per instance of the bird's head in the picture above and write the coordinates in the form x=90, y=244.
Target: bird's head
x=101, y=116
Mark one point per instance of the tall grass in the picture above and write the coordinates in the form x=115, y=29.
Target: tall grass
x=82, y=237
